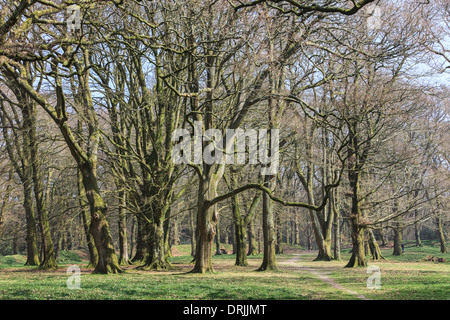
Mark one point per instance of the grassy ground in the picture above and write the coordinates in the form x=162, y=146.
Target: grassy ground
x=404, y=277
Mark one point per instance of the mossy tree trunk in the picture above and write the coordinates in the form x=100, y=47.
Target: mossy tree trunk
x=5, y=200
x=86, y=158
x=398, y=239
x=48, y=260
x=321, y=229
x=239, y=231
x=374, y=247
x=19, y=154
x=30, y=238
x=93, y=255
x=441, y=233
x=355, y=163
x=122, y=224
x=358, y=253
x=155, y=260
x=218, y=252
x=240, y=222
x=252, y=241
x=269, y=260
x=417, y=237
x=99, y=227
x=157, y=256
x=192, y=233
x=142, y=240
x=132, y=238
x=296, y=229
x=382, y=235
x=209, y=174
x=279, y=235
x=336, y=225
x=207, y=218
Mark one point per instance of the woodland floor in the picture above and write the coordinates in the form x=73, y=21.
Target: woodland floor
x=406, y=277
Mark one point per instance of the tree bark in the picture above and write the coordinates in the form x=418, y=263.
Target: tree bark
x=355, y=164
x=269, y=262
x=19, y=154
x=239, y=232
x=142, y=240
x=207, y=218
x=279, y=235
x=93, y=255
x=48, y=260
x=336, y=226
x=193, y=233
x=374, y=248
x=132, y=238
x=156, y=258
x=218, y=252
x=122, y=223
x=441, y=233
x=398, y=239
x=252, y=247
x=32, y=250
x=417, y=228
x=99, y=228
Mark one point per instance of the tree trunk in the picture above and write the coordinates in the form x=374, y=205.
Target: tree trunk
x=417, y=235
x=381, y=234
x=132, y=238
x=175, y=234
x=374, y=248
x=259, y=240
x=155, y=260
x=398, y=239
x=366, y=247
x=233, y=238
x=417, y=228
x=218, y=252
x=241, y=256
x=296, y=230
x=239, y=232
x=99, y=228
x=142, y=240
x=48, y=258
x=93, y=255
x=323, y=241
x=207, y=218
x=158, y=210
x=123, y=239
x=4, y=202
x=269, y=262
x=337, y=234
x=32, y=250
x=355, y=164
x=14, y=244
x=441, y=233
x=252, y=248
x=167, y=241
x=279, y=234
x=357, y=231
x=193, y=233
x=358, y=254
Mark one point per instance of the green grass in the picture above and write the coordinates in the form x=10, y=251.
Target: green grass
x=405, y=277
x=228, y=282
x=12, y=261
x=402, y=277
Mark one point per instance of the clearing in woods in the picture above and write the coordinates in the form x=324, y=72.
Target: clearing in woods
x=406, y=277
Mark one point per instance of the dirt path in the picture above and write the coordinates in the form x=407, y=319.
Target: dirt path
x=294, y=262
